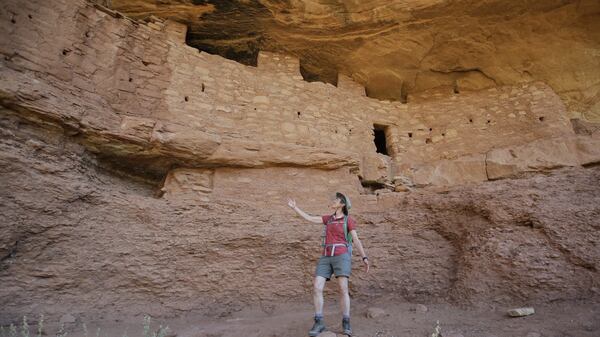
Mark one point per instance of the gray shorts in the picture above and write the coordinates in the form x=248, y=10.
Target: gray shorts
x=340, y=265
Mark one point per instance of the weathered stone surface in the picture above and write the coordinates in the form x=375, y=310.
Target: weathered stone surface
x=398, y=48
x=184, y=141
x=536, y=156
x=449, y=172
x=587, y=149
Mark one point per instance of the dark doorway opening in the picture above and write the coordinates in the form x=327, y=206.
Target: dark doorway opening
x=380, y=139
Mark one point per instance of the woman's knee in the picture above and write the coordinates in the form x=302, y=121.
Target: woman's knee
x=318, y=286
x=343, y=284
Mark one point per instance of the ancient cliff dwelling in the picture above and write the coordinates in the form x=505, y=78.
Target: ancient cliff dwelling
x=149, y=149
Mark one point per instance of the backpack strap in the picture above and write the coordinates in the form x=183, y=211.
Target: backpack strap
x=346, y=234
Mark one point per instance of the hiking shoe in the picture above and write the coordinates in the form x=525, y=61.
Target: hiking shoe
x=346, y=326
x=317, y=328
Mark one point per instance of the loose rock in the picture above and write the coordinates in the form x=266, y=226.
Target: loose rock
x=519, y=312
x=421, y=308
x=375, y=312
x=327, y=334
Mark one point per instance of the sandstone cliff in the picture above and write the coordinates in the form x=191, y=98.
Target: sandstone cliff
x=140, y=174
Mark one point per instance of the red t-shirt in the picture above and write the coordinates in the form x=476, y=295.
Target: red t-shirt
x=334, y=233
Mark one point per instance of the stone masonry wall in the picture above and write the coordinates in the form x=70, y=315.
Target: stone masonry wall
x=137, y=91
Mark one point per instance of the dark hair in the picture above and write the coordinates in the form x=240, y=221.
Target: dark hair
x=343, y=200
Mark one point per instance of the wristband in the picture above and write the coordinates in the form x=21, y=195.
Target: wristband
x=365, y=258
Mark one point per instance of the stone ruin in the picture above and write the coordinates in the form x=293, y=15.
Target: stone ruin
x=168, y=130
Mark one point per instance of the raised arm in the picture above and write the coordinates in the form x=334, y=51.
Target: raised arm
x=311, y=218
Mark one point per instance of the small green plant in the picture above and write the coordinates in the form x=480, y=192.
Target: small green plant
x=11, y=331
x=40, y=326
x=146, y=326
x=61, y=332
x=162, y=332
x=436, y=331
x=25, y=328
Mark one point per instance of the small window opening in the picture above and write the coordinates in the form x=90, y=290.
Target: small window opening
x=186, y=98
x=203, y=87
x=29, y=16
x=489, y=121
x=410, y=135
x=443, y=135
x=428, y=141
x=299, y=114
x=541, y=118
x=430, y=129
x=470, y=120
x=380, y=139
x=130, y=79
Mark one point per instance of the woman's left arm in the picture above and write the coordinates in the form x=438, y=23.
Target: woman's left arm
x=361, y=250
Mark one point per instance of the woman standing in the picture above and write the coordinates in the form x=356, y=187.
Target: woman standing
x=336, y=258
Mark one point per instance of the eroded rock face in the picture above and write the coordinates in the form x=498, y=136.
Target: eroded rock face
x=81, y=236
x=141, y=175
x=396, y=48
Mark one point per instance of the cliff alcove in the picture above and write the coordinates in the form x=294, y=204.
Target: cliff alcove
x=148, y=149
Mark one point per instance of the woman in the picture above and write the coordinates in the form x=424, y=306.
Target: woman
x=336, y=258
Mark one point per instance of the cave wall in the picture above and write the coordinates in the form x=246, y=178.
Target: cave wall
x=91, y=226
x=401, y=48
x=80, y=238
x=135, y=91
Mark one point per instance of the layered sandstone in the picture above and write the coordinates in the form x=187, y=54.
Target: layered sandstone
x=139, y=170
x=398, y=48
x=79, y=237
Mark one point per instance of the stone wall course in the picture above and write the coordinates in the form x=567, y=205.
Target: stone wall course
x=125, y=68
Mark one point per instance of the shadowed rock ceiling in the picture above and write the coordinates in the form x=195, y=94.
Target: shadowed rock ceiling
x=396, y=48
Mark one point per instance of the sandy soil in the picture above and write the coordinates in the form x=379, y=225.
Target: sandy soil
x=401, y=319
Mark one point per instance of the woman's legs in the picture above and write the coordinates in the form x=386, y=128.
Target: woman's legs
x=344, y=296
x=318, y=294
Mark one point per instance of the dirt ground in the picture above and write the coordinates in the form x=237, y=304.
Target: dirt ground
x=400, y=319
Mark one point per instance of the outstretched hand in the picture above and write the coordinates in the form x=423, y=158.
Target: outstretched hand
x=366, y=262
x=292, y=203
